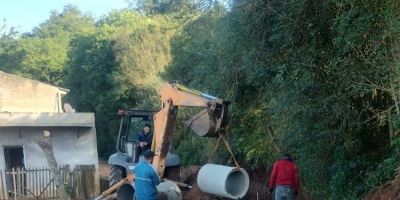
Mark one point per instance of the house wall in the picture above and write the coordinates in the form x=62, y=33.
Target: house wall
x=72, y=145
x=19, y=94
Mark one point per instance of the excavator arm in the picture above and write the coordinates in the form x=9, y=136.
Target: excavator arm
x=210, y=122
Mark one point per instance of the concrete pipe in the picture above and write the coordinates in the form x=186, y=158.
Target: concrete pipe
x=169, y=190
x=224, y=181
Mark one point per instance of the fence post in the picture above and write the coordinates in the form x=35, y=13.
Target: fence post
x=23, y=181
x=68, y=178
x=3, y=192
x=18, y=181
x=79, y=192
x=14, y=184
x=89, y=180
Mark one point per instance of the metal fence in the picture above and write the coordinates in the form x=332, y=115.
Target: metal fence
x=38, y=183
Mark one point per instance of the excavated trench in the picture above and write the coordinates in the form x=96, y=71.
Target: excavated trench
x=257, y=187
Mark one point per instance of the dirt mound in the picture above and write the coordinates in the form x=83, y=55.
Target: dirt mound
x=258, y=185
x=389, y=191
x=196, y=194
x=189, y=174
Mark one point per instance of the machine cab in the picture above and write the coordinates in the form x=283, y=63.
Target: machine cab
x=132, y=123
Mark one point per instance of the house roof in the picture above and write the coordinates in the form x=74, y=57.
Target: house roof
x=47, y=119
x=62, y=90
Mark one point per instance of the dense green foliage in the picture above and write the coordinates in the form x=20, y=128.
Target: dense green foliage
x=317, y=79
x=307, y=77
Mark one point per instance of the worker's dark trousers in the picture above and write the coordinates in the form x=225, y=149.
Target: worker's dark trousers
x=139, y=152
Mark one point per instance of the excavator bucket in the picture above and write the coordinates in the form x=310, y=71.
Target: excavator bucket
x=200, y=123
x=210, y=122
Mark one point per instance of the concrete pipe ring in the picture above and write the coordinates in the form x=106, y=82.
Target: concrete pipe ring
x=224, y=181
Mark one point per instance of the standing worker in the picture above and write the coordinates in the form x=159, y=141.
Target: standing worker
x=146, y=178
x=284, y=178
x=143, y=141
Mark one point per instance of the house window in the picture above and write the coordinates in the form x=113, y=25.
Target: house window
x=14, y=156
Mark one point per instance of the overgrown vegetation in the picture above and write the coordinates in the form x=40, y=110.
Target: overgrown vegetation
x=318, y=79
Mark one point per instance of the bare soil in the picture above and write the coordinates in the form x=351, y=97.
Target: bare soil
x=258, y=188
x=104, y=169
x=389, y=191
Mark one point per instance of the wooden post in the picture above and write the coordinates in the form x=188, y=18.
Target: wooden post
x=18, y=175
x=79, y=192
x=23, y=180
x=28, y=183
x=14, y=184
x=89, y=180
x=46, y=145
x=36, y=183
x=68, y=178
x=3, y=183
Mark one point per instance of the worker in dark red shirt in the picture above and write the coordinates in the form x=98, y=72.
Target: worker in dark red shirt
x=284, y=178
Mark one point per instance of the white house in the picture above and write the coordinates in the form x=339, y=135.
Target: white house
x=28, y=107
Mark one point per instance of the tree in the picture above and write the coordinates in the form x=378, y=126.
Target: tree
x=42, y=54
x=151, y=7
x=118, y=67
x=46, y=144
x=7, y=33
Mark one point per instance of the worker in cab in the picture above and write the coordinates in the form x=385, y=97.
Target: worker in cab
x=284, y=178
x=143, y=141
x=146, y=178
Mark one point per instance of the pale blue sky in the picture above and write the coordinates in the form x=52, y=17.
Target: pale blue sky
x=26, y=14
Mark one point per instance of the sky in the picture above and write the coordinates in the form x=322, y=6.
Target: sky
x=26, y=14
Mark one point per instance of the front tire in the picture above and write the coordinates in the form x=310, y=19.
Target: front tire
x=117, y=174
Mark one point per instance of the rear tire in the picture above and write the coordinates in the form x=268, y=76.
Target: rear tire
x=117, y=173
